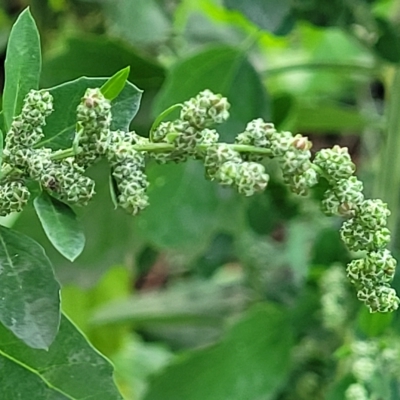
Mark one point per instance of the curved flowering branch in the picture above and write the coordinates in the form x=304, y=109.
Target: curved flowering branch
x=61, y=173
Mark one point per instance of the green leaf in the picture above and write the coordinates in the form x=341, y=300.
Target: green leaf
x=114, y=86
x=251, y=362
x=70, y=369
x=22, y=65
x=193, y=302
x=61, y=225
x=267, y=14
x=224, y=70
x=113, y=191
x=191, y=207
x=162, y=116
x=1, y=146
x=100, y=56
x=375, y=324
x=60, y=127
x=29, y=292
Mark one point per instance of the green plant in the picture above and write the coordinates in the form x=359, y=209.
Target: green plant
x=48, y=161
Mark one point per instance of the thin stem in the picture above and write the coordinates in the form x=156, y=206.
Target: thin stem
x=335, y=67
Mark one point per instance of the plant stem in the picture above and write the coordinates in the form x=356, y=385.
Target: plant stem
x=387, y=184
x=335, y=67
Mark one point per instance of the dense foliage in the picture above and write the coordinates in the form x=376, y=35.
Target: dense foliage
x=249, y=151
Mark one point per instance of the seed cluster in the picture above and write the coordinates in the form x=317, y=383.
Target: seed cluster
x=192, y=135
x=364, y=230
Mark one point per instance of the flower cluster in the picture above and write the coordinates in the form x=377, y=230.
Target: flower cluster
x=334, y=297
x=368, y=360
x=292, y=152
x=127, y=166
x=93, y=127
x=192, y=127
x=192, y=135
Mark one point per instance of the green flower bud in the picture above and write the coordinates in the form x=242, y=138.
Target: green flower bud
x=281, y=142
x=330, y=203
x=26, y=129
x=65, y=179
x=251, y=178
x=94, y=121
x=14, y=196
x=357, y=237
x=227, y=173
x=335, y=162
x=217, y=155
x=205, y=110
x=349, y=191
x=373, y=213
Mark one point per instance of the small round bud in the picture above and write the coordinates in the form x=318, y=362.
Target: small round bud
x=335, y=162
x=14, y=196
x=205, y=110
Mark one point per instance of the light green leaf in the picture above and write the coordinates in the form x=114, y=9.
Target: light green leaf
x=29, y=292
x=251, y=362
x=267, y=14
x=224, y=70
x=61, y=124
x=61, y=225
x=192, y=303
x=70, y=369
x=161, y=118
x=114, y=86
x=22, y=65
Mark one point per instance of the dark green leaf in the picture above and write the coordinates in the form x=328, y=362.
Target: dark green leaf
x=252, y=362
x=70, y=369
x=100, y=56
x=61, y=225
x=388, y=44
x=224, y=70
x=60, y=127
x=22, y=65
x=267, y=14
x=113, y=87
x=29, y=292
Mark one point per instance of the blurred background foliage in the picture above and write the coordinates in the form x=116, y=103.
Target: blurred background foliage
x=208, y=295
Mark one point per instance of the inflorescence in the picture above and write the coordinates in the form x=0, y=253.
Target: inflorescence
x=192, y=135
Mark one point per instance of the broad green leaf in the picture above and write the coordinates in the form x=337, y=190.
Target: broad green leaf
x=185, y=209
x=267, y=14
x=22, y=65
x=60, y=127
x=151, y=24
x=61, y=225
x=251, y=362
x=100, y=56
x=78, y=303
x=224, y=70
x=113, y=87
x=29, y=292
x=70, y=369
x=325, y=117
